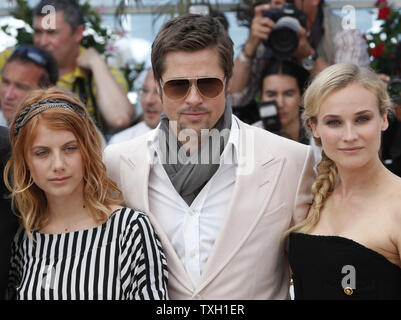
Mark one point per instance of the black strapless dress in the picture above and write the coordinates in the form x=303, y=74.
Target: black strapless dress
x=332, y=267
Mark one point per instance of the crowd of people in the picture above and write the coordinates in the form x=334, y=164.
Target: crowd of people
x=197, y=199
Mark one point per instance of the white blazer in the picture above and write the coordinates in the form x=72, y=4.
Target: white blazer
x=248, y=261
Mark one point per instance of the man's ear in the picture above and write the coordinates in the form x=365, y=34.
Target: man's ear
x=79, y=33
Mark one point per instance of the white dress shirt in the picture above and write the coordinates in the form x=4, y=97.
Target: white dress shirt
x=193, y=229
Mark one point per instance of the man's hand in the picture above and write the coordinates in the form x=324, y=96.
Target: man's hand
x=304, y=49
x=88, y=58
x=260, y=29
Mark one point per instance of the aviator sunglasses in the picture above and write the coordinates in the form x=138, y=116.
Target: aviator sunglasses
x=176, y=89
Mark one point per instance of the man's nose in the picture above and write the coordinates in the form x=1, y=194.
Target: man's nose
x=193, y=96
x=42, y=40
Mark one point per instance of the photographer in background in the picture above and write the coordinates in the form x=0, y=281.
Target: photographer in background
x=322, y=42
x=281, y=89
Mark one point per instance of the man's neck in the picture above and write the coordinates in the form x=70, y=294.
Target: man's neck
x=69, y=64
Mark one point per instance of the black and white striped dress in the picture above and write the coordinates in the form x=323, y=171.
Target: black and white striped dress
x=120, y=259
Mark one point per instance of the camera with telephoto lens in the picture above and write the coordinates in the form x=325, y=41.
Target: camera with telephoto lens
x=394, y=89
x=268, y=112
x=284, y=38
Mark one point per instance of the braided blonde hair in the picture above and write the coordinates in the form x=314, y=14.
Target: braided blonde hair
x=334, y=77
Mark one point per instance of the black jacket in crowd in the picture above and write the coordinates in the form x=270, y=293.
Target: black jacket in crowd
x=8, y=221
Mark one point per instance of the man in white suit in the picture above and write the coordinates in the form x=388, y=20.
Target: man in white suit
x=219, y=192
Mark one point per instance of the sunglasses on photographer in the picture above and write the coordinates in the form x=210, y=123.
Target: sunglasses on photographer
x=32, y=54
x=176, y=89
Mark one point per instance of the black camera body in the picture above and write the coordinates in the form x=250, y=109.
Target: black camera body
x=394, y=89
x=268, y=112
x=284, y=38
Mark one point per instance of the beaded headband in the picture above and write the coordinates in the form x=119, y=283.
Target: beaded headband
x=41, y=106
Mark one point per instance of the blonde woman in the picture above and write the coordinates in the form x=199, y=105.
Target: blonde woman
x=350, y=244
x=75, y=241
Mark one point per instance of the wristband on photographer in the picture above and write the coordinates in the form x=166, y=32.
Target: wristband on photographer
x=309, y=62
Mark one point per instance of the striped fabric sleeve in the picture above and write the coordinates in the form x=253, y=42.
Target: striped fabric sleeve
x=15, y=265
x=143, y=263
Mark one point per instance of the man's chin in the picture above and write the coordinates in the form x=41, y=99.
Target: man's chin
x=195, y=128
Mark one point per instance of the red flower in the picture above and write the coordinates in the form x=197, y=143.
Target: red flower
x=384, y=12
x=378, y=51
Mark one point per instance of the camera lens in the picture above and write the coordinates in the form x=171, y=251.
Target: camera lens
x=284, y=38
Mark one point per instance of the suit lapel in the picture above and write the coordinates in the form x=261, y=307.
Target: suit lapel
x=140, y=197
x=243, y=214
